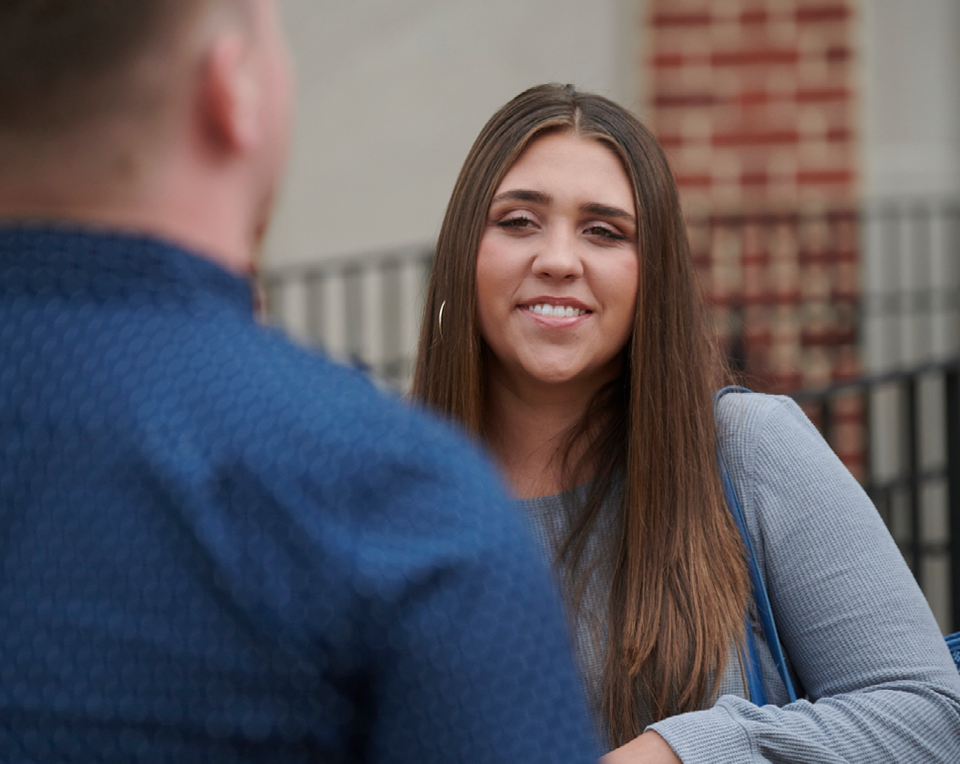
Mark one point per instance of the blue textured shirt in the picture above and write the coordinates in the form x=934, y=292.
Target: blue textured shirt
x=218, y=546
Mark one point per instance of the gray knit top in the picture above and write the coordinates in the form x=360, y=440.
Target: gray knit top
x=857, y=632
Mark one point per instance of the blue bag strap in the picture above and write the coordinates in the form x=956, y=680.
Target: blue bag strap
x=953, y=643
x=760, y=598
x=755, y=687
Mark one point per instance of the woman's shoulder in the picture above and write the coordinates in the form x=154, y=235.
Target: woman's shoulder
x=742, y=408
x=745, y=419
x=771, y=448
x=788, y=479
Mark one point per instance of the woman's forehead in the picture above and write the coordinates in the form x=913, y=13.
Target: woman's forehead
x=569, y=164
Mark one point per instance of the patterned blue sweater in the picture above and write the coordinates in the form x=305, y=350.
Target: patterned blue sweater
x=219, y=547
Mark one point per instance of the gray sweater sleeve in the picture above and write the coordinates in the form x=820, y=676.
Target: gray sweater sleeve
x=880, y=683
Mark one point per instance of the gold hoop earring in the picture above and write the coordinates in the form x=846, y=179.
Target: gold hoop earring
x=440, y=318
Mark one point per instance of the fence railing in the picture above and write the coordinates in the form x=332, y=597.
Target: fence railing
x=912, y=465
x=363, y=310
x=910, y=276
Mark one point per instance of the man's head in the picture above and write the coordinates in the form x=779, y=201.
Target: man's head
x=64, y=62
x=165, y=115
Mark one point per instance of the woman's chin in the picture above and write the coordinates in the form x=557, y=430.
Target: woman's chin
x=572, y=379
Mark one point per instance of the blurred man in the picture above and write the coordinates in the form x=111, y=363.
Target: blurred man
x=216, y=546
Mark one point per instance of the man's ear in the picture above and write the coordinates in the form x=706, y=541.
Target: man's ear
x=229, y=97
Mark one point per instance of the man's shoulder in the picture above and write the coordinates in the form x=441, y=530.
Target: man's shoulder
x=335, y=401
x=314, y=415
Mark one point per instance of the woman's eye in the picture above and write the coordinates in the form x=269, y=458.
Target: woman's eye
x=602, y=232
x=516, y=223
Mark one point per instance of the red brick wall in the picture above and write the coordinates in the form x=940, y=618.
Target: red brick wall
x=755, y=103
x=754, y=100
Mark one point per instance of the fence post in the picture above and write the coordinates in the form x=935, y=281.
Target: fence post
x=913, y=477
x=952, y=391
x=826, y=421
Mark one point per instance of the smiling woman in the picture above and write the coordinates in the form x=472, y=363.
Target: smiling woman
x=574, y=345
x=557, y=269
x=566, y=200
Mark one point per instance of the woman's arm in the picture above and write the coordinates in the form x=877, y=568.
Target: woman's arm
x=880, y=683
x=649, y=748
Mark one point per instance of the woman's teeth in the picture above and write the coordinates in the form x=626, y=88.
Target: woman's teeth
x=555, y=311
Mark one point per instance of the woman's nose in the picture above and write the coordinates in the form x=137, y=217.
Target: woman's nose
x=558, y=257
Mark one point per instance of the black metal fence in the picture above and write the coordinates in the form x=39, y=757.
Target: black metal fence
x=911, y=470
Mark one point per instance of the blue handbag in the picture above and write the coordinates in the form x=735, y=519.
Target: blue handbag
x=761, y=601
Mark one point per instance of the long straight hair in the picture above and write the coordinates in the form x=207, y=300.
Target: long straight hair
x=679, y=584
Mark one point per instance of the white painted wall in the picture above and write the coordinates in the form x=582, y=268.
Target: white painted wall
x=391, y=94
x=910, y=53
x=910, y=57
x=910, y=121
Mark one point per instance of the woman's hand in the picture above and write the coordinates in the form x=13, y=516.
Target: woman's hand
x=649, y=748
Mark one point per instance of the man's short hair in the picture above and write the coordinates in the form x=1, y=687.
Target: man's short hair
x=63, y=61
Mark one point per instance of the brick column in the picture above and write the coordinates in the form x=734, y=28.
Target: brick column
x=755, y=104
x=755, y=99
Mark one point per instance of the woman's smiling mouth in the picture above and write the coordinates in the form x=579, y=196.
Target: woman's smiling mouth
x=555, y=311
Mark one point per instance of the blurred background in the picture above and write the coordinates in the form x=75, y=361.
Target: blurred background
x=816, y=144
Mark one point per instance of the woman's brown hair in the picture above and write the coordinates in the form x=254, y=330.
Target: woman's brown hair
x=679, y=585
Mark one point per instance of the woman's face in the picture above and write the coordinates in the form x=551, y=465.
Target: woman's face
x=558, y=265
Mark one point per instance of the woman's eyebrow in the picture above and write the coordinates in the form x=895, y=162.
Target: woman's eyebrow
x=606, y=211
x=523, y=195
